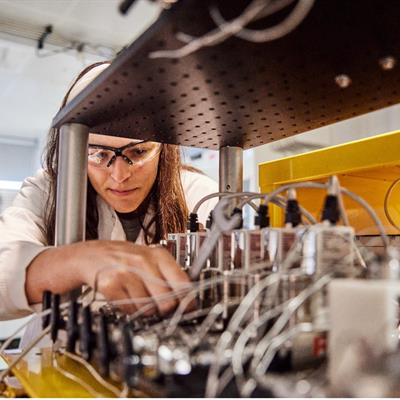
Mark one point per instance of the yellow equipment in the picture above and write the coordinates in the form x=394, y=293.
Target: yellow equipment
x=370, y=167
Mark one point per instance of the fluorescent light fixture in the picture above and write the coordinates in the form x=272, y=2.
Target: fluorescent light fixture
x=10, y=185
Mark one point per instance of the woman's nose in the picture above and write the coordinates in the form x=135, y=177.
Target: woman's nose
x=120, y=170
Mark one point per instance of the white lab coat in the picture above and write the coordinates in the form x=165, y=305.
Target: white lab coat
x=22, y=238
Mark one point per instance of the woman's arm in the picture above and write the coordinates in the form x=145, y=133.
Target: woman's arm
x=27, y=267
x=122, y=270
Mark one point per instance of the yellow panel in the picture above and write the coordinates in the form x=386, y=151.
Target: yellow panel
x=368, y=167
x=40, y=378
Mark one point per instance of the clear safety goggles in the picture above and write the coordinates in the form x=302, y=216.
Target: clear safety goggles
x=134, y=153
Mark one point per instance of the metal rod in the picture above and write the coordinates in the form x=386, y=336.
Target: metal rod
x=231, y=169
x=71, y=184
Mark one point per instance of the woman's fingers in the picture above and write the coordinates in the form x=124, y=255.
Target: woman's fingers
x=176, y=278
x=109, y=285
x=137, y=290
x=124, y=270
x=146, y=269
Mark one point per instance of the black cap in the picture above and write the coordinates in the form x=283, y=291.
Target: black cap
x=262, y=218
x=292, y=213
x=331, y=210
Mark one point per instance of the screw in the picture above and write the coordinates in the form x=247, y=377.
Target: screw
x=387, y=63
x=343, y=81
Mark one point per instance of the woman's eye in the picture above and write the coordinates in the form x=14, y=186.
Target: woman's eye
x=140, y=151
x=137, y=152
x=101, y=154
x=97, y=153
x=98, y=156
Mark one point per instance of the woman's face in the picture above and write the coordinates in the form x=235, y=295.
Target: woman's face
x=121, y=185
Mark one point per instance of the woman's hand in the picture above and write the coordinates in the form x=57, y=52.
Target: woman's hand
x=120, y=270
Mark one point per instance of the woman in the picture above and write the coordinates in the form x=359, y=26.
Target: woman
x=137, y=190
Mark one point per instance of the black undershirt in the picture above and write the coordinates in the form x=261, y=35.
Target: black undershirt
x=132, y=225
x=132, y=222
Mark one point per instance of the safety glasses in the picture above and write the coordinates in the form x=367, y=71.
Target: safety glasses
x=134, y=153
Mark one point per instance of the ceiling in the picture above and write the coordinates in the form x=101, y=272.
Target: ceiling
x=31, y=87
x=92, y=21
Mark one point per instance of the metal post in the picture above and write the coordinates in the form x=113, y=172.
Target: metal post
x=71, y=184
x=231, y=169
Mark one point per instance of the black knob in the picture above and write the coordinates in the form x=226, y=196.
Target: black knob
x=72, y=326
x=55, y=317
x=193, y=224
x=86, y=341
x=209, y=221
x=262, y=217
x=331, y=211
x=130, y=359
x=292, y=213
x=46, y=304
x=103, y=345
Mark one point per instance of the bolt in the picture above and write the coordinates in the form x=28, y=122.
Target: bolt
x=387, y=63
x=343, y=81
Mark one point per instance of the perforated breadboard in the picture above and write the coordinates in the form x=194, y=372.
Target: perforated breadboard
x=241, y=93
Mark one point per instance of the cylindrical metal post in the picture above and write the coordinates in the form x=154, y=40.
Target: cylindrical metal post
x=71, y=184
x=231, y=169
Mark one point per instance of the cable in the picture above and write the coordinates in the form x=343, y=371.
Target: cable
x=221, y=224
x=386, y=205
x=371, y=213
x=342, y=209
x=226, y=338
x=268, y=196
x=25, y=324
x=235, y=27
x=124, y=391
x=229, y=373
x=276, y=342
x=25, y=351
x=280, y=339
x=177, y=317
x=70, y=45
x=190, y=297
x=111, y=388
x=354, y=196
x=291, y=22
x=31, y=345
x=73, y=377
x=228, y=195
x=184, y=303
x=208, y=322
x=281, y=322
x=240, y=344
x=278, y=201
x=272, y=8
x=217, y=35
x=15, y=333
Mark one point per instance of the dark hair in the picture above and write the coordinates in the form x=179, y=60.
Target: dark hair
x=170, y=214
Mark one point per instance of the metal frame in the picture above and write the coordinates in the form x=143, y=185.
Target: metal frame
x=235, y=95
x=72, y=181
x=71, y=184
